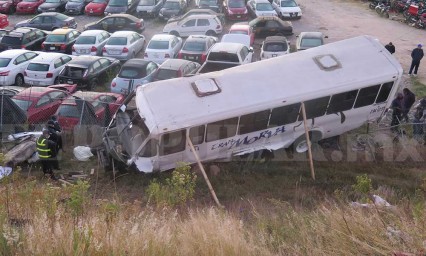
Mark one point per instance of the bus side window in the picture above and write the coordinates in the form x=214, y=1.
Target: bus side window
x=367, y=96
x=196, y=134
x=342, y=102
x=221, y=129
x=150, y=149
x=284, y=115
x=253, y=122
x=173, y=142
x=384, y=92
x=315, y=108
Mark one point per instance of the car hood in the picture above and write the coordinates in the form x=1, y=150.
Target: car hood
x=26, y=4
x=237, y=38
x=290, y=9
x=266, y=13
x=238, y=10
x=74, y=4
x=95, y=5
x=169, y=11
x=169, y=26
x=145, y=7
x=89, y=25
x=22, y=23
x=49, y=5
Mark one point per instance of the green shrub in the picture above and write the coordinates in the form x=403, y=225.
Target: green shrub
x=363, y=187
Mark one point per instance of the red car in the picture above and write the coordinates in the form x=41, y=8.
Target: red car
x=235, y=10
x=93, y=103
x=96, y=7
x=41, y=103
x=28, y=6
x=8, y=6
x=4, y=21
x=244, y=29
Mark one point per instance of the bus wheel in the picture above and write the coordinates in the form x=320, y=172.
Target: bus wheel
x=300, y=145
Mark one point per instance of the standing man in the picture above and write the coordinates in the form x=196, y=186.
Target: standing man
x=416, y=56
x=390, y=47
x=407, y=103
x=44, y=149
x=396, y=107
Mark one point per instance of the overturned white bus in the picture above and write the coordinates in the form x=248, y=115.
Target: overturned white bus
x=256, y=106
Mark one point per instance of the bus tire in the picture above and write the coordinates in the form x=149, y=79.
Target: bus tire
x=300, y=145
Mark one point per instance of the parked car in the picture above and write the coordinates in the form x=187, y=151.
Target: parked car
x=89, y=71
x=274, y=46
x=40, y=103
x=270, y=26
x=133, y=73
x=4, y=21
x=76, y=6
x=52, y=6
x=162, y=47
x=96, y=7
x=60, y=40
x=23, y=38
x=123, y=45
x=200, y=24
x=8, y=6
x=48, y=21
x=173, y=68
x=3, y=32
x=13, y=64
x=220, y=16
x=196, y=48
x=121, y=6
x=149, y=8
x=308, y=40
x=103, y=106
x=287, y=9
x=118, y=22
x=260, y=8
x=172, y=8
x=244, y=29
x=236, y=38
x=235, y=10
x=208, y=4
x=90, y=42
x=28, y=6
x=44, y=69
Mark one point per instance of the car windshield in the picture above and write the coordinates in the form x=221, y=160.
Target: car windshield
x=288, y=3
x=55, y=38
x=66, y=110
x=23, y=104
x=311, y=42
x=194, y=46
x=132, y=72
x=74, y=72
x=38, y=67
x=61, y=16
x=117, y=41
x=164, y=74
x=275, y=47
x=264, y=7
x=147, y=3
x=236, y=4
x=76, y=1
x=240, y=32
x=86, y=40
x=208, y=2
x=118, y=3
x=99, y=1
x=171, y=5
x=4, y=62
x=11, y=40
x=53, y=1
x=158, y=45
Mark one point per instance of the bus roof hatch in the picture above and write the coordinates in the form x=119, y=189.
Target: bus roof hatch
x=205, y=87
x=327, y=62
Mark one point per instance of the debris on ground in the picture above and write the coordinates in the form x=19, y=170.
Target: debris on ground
x=82, y=153
x=377, y=202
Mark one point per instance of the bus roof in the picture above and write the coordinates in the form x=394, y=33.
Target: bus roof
x=329, y=69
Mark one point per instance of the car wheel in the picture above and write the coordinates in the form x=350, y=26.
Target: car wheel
x=92, y=85
x=210, y=33
x=175, y=33
x=19, y=80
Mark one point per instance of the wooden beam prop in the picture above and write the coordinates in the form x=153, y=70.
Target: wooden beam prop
x=308, y=141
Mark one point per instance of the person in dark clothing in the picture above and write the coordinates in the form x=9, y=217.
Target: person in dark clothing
x=390, y=47
x=44, y=150
x=416, y=56
x=396, y=107
x=407, y=103
x=56, y=137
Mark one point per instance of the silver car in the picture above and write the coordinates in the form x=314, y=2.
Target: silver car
x=123, y=45
x=90, y=42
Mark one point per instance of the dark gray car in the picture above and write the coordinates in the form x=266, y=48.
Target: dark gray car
x=172, y=8
x=149, y=8
x=76, y=6
x=121, y=6
x=48, y=21
x=52, y=6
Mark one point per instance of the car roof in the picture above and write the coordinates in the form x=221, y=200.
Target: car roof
x=22, y=30
x=48, y=14
x=227, y=47
x=240, y=27
x=84, y=60
x=275, y=39
x=34, y=92
x=201, y=16
x=13, y=53
x=312, y=34
x=47, y=57
x=94, y=32
x=162, y=37
x=136, y=63
x=122, y=33
x=61, y=31
x=123, y=15
x=174, y=64
x=199, y=38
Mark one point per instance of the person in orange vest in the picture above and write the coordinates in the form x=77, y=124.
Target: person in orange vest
x=44, y=150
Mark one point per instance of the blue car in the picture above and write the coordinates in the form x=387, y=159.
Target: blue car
x=133, y=73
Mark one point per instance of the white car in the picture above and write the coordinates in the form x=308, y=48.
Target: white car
x=44, y=69
x=306, y=40
x=259, y=8
x=287, y=9
x=236, y=38
x=274, y=46
x=200, y=24
x=13, y=64
x=90, y=42
x=162, y=47
x=123, y=45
